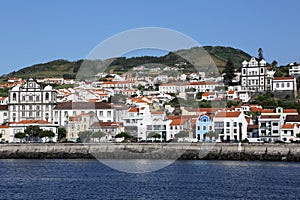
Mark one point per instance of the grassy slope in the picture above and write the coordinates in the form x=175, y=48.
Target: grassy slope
x=58, y=68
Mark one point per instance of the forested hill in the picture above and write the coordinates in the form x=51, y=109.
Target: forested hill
x=68, y=69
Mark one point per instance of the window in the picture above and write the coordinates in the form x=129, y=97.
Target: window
x=47, y=96
x=234, y=130
x=277, y=85
x=14, y=96
x=66, y=114
x=23, y=107
x=38, y=113
x=37, y=98
x=282, y=84
x=23, y=98
x=288, y=85
x=38, y=107
x=204, y=128
x=275, y=123
x=204, y=120
x=23, y=114
x=261, y=70
x=14, y=108
x=101, y=113
x=56, y=114
x=198, y=128
x=227, y=131
x=30, y=107
x=30, y=114
x=227, y=124
x=275, y=131
x=108, y=113
x=210, y=128
x=235, y=124
x=30, y=98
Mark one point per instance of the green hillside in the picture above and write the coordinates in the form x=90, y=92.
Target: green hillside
x=67, y=69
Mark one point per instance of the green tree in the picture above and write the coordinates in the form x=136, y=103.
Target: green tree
x=154, y=135
x=199, y=95
x=20, y=135
x=212, y=134
x=260, y=54
x=182, y=134
x=298, y=135
x=33, y=132
x=62, y=133
x=124, y=135
x=274, y=64
x=229, y=72
x=98, y=135
x=46, y=133
x=85, y=136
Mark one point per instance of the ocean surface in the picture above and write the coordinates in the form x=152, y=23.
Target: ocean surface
x=90, y=179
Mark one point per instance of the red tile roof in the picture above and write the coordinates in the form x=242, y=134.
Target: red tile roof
x=133, y=109
x=4, y=107
x=231, y=92
x=227, y=114
x=290, y=111
x=270, y=116
x=288, y=126
x=177, y=122
x=283, y=78
x=32, y=121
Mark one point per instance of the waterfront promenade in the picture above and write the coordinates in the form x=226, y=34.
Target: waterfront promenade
x=188, y=151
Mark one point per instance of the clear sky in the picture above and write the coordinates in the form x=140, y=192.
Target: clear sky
x=39, y=31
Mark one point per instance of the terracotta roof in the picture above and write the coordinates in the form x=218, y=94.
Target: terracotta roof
x=3, y=126
x=177, y=122
x=133, y=109
x=267, y=111
x=270, y=116
x=157, y=112
x=231, y=92
x=247, y=119
x=288, y=126
x=290, y=111
x=107, y=124
x=227, y=114
x=283, y=78
x=32, y=121
x=292, y=118
x=81, y=105
x=202, y=83
x=255, y=109
x=4, y=107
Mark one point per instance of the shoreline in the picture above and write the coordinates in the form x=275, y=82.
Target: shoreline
x=178, y=151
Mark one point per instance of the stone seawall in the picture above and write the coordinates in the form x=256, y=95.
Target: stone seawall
x=194, y=151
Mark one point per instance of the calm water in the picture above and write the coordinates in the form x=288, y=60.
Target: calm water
x=89, y=179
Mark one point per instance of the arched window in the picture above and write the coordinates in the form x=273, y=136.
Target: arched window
x=277, y=85
x=282, y=84
x=244, y=71
x=14, y=96
x=288, y=85
x=261, y=70
x=47, y=96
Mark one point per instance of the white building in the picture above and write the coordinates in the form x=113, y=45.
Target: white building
x=270, y=126
x=284, y=84
x=230, y=125
x=31, y=102
x=294, y=70
x=64, y=110
x=254, y=75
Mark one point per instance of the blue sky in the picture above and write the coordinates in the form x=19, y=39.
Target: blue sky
x=40, y=31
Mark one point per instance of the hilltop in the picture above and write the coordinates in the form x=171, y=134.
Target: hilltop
x=68, y=69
